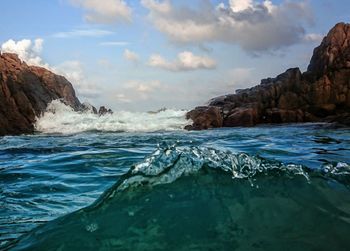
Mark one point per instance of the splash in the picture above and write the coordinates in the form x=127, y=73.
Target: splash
x=168, y=163
x=60, y=118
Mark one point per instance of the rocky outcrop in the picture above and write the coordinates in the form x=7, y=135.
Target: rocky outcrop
x=88, y=108
x=205, y=117
x=322, y=93
x=25, y=92
x=104, y=111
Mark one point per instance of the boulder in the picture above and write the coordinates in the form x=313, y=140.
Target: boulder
x=205, y=117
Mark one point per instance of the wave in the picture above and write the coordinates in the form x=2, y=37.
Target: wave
x=60, y=118
x=169, y=163
x=182, y=198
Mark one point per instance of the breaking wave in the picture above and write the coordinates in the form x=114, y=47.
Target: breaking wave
x=60, y=118
x=203, y=198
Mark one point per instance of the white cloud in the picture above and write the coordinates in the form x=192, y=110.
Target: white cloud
x=313, y=37
x=121, y=98
x=74, y=71
x=83, y=33
x=256, y=26
x=137, y=90
x=27, y=50
x=160, y=7
x=240, y=5
x=131, y=56
x=114, y=43
x=106, y=11
x=186, y=61
x=240, y=77
x=143, y=86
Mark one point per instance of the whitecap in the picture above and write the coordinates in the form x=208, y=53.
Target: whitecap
x=60, y=118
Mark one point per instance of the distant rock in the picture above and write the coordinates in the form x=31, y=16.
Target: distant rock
x=25, y=93
x=87, y=107
x=103, y=111
x=322, y=93
x=163, y=109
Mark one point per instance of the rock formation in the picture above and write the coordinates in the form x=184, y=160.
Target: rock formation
x=104, y=111
x=25, y=93
x=322, y=93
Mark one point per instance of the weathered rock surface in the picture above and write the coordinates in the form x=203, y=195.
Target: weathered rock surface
x=25, y=92
x=205, y=117
x=322, y=93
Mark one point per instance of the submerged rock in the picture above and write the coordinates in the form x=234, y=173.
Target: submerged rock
x=322, y=93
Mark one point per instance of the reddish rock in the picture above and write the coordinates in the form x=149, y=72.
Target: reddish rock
x=25, y=93
x=241, y=116
x=205, y=117
x=320, y=94
x=333, y=53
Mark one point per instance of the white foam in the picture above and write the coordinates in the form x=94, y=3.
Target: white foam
x=60, y=118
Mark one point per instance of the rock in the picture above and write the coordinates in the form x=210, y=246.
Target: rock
x=103, y=111
x=25, y=93
x=322, y=93
x=333, y=53
x=87, y=107
x=342, y=119
x=241, y=116
x=205, y=117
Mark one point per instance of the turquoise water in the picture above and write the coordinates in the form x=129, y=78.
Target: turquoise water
x=264, y=188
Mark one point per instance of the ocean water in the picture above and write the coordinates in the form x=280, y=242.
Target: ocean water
x=138, y=182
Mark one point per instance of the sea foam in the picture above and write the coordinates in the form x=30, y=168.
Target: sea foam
x=60, y=118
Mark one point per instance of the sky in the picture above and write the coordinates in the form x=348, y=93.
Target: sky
x=148, y=54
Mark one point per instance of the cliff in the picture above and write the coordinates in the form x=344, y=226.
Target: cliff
x=25, y=93
x=322, y=93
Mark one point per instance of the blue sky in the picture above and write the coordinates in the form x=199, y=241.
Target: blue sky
x=148, y=54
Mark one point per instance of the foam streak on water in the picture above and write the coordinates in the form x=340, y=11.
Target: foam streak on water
x=60, y=118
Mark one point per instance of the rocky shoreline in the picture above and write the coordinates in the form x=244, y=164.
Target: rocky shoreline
x=321, y=94
x=27, y=90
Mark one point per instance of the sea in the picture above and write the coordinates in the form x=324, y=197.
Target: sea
x=138, y=181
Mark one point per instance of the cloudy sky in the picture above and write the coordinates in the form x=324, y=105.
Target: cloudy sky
x=148, y=54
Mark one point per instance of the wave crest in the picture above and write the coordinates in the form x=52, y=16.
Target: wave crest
x=168, y=163
x=60, y=118
x=130, y=216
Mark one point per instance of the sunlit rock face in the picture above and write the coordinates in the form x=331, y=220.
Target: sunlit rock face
x=322, y=93
x=25, y=93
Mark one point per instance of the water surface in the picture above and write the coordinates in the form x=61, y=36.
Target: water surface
x=263, y=188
